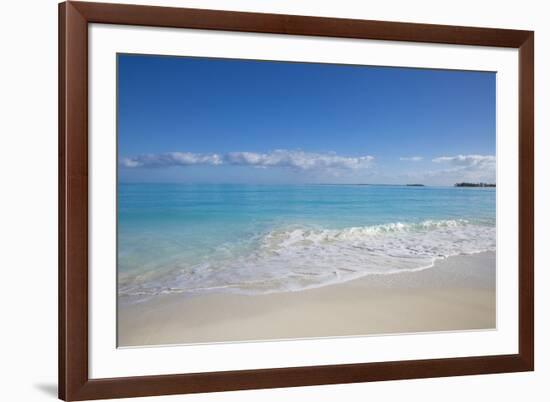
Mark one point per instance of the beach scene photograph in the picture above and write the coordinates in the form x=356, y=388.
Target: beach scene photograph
x=271, y=200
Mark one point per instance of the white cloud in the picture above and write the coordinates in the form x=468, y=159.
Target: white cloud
x=411, y=158
x=296, y=160
x=468, y=160
x=172, y=159
x=473, y=168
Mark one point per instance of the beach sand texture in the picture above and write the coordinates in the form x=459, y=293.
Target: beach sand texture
x=456, y=294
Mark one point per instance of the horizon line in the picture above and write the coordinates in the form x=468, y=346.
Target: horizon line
x=297, y=184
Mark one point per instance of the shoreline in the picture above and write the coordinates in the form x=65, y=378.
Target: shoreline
x=457, y=293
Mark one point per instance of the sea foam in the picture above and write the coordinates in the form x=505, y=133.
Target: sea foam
x=292, y=258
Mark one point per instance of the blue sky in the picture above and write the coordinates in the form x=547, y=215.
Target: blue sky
x=243, y=121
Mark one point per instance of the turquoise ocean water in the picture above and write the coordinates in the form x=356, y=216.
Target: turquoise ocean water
x=181, y=238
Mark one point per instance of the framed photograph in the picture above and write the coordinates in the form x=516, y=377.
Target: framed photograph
x=259, y=200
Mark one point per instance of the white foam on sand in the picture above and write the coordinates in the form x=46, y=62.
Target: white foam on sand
x=457, y=294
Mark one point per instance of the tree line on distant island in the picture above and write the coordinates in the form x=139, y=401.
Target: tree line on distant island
x=475, y=185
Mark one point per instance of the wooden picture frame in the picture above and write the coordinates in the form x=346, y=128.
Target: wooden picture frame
x=74, y=381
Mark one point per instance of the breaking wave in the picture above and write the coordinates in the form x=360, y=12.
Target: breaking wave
x=293, y=258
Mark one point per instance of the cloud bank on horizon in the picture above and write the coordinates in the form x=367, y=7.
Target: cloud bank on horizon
x=439, y=170
x=468, y=161
x=465, y=168
x=295, y=160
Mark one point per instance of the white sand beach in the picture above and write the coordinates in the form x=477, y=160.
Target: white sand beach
x=458, y=293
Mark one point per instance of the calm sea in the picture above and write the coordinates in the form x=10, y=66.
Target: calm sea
x=181, y=238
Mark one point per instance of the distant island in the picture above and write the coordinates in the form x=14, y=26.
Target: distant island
x=416, y=185
x=475, y=185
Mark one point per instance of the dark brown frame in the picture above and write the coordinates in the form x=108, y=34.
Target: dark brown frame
x=74, y=383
